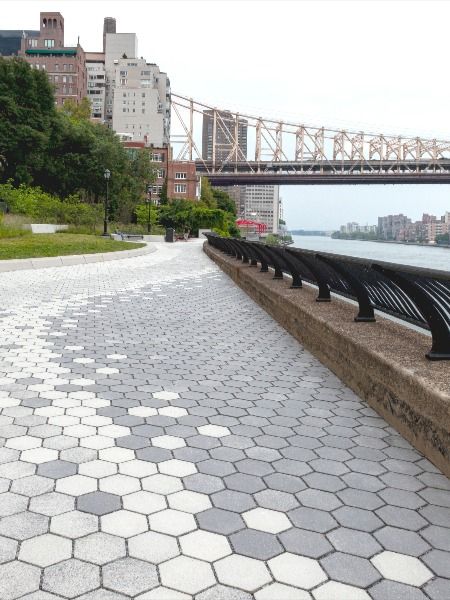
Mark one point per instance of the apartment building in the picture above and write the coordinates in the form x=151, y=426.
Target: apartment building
x=257, y=202
x=64, y=65
x=96, y=84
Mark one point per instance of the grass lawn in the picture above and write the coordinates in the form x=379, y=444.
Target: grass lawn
x=58, y=244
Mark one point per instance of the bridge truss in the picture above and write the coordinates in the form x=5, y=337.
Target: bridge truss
x=283, y=152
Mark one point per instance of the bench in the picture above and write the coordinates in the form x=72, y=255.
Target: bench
x=130, y=236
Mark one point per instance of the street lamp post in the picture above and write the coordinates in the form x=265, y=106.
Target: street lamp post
x=107, y=175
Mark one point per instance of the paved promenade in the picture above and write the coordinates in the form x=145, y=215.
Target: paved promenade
x=162, y=438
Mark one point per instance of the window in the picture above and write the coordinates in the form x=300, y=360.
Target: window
x=181, y=175
x=65, y=67
x=160, y=173
x=145, y=73
x=180, y=188
x=157, y=189
x=123, y=82
x=123, y=73
x=146, y=82
x=49, y=43
x=32, y=43
x=143, y=111
x=157, y=157
x=143, y=94
x=56, y=78
x=70, y=67
x=56, y=66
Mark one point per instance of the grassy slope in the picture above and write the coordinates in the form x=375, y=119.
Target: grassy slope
x=59, y=244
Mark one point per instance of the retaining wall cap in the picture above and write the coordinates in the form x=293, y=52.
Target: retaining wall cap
x=71, y=259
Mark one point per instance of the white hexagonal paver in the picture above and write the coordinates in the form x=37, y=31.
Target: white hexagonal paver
x=162, y=484
x=74, y=524
x=100, y=548
x=170, y=442
x=153, y=547
x=23, y=442
x=39, y=455
x=165, y=395
x=107, y=370
x=144, y=502
x=402, y=568
x=333, y=590
x=187, y=501
x=173, y=411
x=119, y=484
x=76, y=485
x=137, y=468
x=216, y=431
x=279, y=591
x=79, y=431
x=124, y=523
x=143, y=411
x=205, y=545
x=116, y=455
x=97, y=468
x=264, y=519
x=187, y=574
x=45, y=550
x=172, y=522
x=296, y=570
x=242, y=572
x=178, y=468
x=18, y=579
x=114, y=431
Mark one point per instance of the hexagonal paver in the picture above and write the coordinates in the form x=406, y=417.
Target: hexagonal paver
x=220, y=521
x=216, y=431
x=24, y=525
x=205, y=545
x=71, y=578
x=283, y=592
x=353, y=541
x=98, y=503
x=119, y=484
x=313, y=519
x=39, y=455
x=52, y=503
x=172, y=522
x=271, y=521
x=76, y=485
x=162, y=484
x=402, y=568
x=333, y=590
x=298, y=571
x=11, y=504
x=187, y=501
x=305, y=543
x=45, y=550
x=129, y=576
x=97, y=468
x=177, y=468
x=18, y=579
x=242, y=572
x=170, y=442
x=256, y=544
x=74, y=524
x=350, y=569
x=8, y=549
x=153, y=547
x=186, y=574
x=57, y=469
x=100, y=548
x=123, y=523
x=137, y=468
x=144, y=502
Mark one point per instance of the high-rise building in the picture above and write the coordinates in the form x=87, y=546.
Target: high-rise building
x=256, y=202
x=96, y=84
x=10, y=41
x=64, y=65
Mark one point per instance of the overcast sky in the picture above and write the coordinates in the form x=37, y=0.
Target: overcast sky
x=378, y=66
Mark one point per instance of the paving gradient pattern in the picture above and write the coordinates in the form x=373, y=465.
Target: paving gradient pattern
x=161, y=437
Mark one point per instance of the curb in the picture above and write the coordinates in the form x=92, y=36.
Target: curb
x=71, y=259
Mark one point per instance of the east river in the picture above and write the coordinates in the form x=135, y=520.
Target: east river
x=419, y=256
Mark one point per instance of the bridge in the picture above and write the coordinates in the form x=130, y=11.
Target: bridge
x=243, y=149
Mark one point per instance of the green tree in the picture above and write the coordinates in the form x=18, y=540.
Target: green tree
x=224, y=201
x=206, y=195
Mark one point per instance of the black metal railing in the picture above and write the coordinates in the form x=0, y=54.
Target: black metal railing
x=418, y=296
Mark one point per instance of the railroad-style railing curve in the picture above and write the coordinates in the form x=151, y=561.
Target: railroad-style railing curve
x=416, y=295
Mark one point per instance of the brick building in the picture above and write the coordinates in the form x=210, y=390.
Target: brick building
x=64, y=65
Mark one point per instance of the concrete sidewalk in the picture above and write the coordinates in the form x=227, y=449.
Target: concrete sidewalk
x=163, y=438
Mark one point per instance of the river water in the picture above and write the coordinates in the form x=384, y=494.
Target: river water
x=418, y=256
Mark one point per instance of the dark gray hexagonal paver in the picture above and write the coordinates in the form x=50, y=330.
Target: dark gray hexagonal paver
x=98, y=503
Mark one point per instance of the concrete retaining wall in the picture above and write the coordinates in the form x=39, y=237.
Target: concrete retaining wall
x=382, y=362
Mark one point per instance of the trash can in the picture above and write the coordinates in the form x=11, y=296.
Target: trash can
x=170, y=234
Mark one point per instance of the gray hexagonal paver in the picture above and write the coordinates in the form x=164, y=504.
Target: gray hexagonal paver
x=256, y=544
x=220, y=521
x=98, y=503
x=17, y=579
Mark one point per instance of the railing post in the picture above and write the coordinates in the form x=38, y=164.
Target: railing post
x=431, y=311
x=322, y=283
x=366, y=313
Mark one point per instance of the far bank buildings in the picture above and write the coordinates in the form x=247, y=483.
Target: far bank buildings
x=129, y=95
